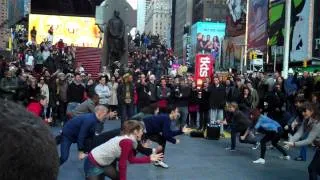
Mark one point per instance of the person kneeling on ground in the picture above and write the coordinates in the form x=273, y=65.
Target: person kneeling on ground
x=78, y=129
x=158, y=130
x=102, y=160
x=36, y=107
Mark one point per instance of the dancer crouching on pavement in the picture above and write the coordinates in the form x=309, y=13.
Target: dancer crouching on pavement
x=158, y=130
x=78, y=129
x=272, y=131
x=309, y=131
x=239, y=123
x=102, y=160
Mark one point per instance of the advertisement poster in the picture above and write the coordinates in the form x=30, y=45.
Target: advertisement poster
x=204, y=66
x=299, y=28
x=316, y=30
x=206, y=38
x=236, y=20
x=257, y=25
x=299, y=34
x=80, y=31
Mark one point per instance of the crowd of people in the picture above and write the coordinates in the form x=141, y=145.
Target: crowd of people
x=150, y=100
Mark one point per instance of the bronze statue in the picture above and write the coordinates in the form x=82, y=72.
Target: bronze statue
x=115, y=38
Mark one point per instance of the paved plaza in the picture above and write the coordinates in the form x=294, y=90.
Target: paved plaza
x=201, y=159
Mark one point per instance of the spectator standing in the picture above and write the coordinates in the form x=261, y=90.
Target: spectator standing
x=113, y=100
x=103, y=90
x=75, y=93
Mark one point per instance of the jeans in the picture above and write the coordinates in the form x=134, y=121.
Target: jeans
x=183, y=115
x=274, y=137
x=215, y=115
x=127, y=112
x=204, y=116
x=234, y=132
x=314, y=166
x=303, y=149
x=64, y=149
x=72, y=106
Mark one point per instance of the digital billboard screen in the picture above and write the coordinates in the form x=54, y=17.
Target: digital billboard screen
x=316, y=31
x=80, y=31
x=206, y=38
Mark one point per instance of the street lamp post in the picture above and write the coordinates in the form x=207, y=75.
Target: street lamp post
x=287, y=40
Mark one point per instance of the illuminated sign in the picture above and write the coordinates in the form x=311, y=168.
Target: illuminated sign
x=203, y=66
x=80, y=31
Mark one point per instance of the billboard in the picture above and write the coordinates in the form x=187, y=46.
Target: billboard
x=316, y=30
x=80, y=31
x=236, y=20
x=203, y=66
x=206, y=38
x=299, y=35
x=16, y=11
x=257, y=25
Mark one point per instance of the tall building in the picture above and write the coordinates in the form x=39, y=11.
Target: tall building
x=209, y=10
x=141, y=14
x=158, y=18
x=183, y=18
x=4, y=31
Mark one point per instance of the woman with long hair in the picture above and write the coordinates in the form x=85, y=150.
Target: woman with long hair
x=308, y=133
x=239, y=123
x=272, y=131
x=102, y=160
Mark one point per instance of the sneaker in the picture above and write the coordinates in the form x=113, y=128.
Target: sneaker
x=230, y=149
x=256, y=146
x=299, y=159
x=259, y=161
x=285, y=157
x=161, y=164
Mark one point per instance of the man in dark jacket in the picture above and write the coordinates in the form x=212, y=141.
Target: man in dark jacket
x=181, y=94
x=78, y=129
x=158, y=129
x=75, y=93
x=217, y=102
x=143, y=93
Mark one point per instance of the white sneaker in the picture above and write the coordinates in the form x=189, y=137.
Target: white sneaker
x=256, y=146
x=285, y=157
x=259, y=161
x=161, y=164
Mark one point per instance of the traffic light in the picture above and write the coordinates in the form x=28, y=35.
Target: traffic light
x=254, y=55
x=305, y=63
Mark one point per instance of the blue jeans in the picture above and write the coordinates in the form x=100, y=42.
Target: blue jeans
x=183, y=115
x=127, y=112
x=215, y=115
x=72, y=106
x=303, y=149
x=64, y=149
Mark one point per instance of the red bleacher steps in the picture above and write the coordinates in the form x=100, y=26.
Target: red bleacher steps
x=90, y=58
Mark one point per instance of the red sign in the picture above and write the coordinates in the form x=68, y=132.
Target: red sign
x=204, y=66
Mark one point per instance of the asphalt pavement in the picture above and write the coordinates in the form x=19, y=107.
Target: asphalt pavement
x=201, y=159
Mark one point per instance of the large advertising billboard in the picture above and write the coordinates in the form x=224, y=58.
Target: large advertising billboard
x=299, y=35
x=257, y=25
x=206, y=38
x=236, y=20
x=80, y=31
x=316, y=30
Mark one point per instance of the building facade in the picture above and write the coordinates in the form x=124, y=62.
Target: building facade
x=4, y=30
x=183, y=18
x=158, y=18
x=209, y=10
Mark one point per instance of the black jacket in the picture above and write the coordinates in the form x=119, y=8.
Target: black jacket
x=75, y=92
x=217, y=97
